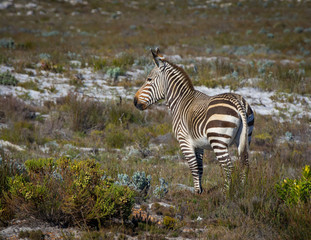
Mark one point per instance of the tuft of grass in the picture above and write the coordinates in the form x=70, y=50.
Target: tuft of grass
x=31, y=85
x=116, y=136
x=169, y=222
x=98, y=63
x=32, y=235
x=6, y=78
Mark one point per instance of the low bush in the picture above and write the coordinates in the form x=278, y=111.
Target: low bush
x=169, y=222
x=139, y=182
x=31, y=85
x=15, y=109
x=68, y=192
x=123, y=60
x=82, y=114
x=32, y=235
x=296, y=191
x=115, y=72
x=98, y=63
x=161, y=190
x=22, y=132
x=6, y=78
x=5, y=174
x=48, y=65
x=115, y=136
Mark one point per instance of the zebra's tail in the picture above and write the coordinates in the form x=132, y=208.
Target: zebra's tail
x=243, y=141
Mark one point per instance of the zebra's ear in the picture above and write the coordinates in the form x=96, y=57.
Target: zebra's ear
x=157, y=57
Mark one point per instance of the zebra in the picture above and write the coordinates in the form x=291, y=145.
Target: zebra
x=199, y=121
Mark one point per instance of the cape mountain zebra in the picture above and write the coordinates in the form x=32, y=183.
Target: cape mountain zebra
x=199, y=121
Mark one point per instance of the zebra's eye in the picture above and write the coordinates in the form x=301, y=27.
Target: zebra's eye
x=149, y=79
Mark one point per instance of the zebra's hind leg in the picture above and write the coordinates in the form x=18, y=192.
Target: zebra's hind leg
x=222, y=154
x=245, y=167
x=199, y=157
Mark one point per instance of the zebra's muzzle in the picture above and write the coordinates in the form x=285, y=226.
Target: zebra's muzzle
x=139, y=105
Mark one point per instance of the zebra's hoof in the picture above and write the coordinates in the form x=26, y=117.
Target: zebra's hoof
x=199, y=191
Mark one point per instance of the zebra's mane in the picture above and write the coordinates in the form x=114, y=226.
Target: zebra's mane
x=183, y=73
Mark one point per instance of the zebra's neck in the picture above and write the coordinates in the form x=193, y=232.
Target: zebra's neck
x=179, y=87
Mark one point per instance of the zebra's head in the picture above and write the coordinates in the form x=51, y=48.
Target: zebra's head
x=153, y=89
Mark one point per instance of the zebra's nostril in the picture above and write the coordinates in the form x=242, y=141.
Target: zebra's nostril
x=135, y=101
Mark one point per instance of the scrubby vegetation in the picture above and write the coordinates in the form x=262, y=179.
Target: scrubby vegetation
x=90, y=160
x=7, y=79
x=66, y=192
x=55, y=188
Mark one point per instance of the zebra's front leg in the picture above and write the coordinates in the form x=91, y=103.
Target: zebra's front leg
x=194, y=158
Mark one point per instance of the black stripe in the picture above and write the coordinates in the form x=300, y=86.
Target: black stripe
x=218, y=135
x=218, y=141
x=221, y=101
x=251, y=123
x=220, y=124
x=221, y=110
x=220, y=148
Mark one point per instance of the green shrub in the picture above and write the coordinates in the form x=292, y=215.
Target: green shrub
x=169, y=222
x=83, y=113
x=6, y=78
x=161, y=190
x=293, y=191
x=123, y=114
x=116, y=137
x=5, y=174
x=98, y=63
x=48, y=65
x=123, y=60
x=115, y=72
x=68, y=192
x=22, y=132
x=31, y=85
x=141, y=136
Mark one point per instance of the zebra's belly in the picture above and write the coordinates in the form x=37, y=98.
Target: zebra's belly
x=206, y=142
x=201, y=143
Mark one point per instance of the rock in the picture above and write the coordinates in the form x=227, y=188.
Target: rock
x=298, y=29
x=185, y=187
x=74, y=2
x=75, y=13
x=75, y=64
x=199, y=218
x=32, y=224
x=133, y=27
x=262, y=31
x=270, y=35
x=11, y=145
x=31, y=5
x=29, y=13
x=5, y=5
